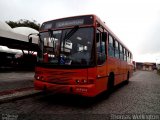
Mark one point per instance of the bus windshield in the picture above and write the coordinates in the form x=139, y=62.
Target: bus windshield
x=72, y=47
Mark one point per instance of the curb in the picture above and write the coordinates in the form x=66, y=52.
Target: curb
x=18, y=95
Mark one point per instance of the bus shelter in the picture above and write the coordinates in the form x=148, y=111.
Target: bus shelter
x=17, y=38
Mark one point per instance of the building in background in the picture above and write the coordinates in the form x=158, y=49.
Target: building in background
x=145, y=66
x=134, y=65
x=158, y=66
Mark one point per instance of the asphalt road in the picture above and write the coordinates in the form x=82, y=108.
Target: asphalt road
x=140, y=97
x=16, y=80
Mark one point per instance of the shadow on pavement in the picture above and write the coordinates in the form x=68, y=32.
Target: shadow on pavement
x=75, y=100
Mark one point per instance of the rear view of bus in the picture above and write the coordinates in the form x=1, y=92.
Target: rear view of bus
x=73, y=56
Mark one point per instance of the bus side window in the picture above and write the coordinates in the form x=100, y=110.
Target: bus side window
x=129, y=57
x=111, y=46
x=98, y=41
x=121, y=52
x=116, y=49
x=104, y=37
x=125, y=57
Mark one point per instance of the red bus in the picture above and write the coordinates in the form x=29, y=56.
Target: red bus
x=80, y=55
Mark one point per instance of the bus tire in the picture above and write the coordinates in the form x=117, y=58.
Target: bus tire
x=110, y=85
x=127, y=81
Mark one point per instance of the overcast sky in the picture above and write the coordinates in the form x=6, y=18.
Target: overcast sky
x=135, y=22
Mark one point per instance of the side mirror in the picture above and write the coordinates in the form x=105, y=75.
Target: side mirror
x=104, y=36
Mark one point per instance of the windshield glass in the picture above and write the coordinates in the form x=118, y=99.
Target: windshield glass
x=73, y=47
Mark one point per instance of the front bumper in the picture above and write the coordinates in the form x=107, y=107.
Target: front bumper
x=87, y=90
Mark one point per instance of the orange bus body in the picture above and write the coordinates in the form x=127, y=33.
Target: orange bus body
x=89, y=81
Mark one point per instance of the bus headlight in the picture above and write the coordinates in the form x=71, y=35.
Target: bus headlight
x=84, y=81
x=36, y=77
x=77, y=81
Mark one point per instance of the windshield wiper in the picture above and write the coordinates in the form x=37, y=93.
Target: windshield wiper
x=71, y=32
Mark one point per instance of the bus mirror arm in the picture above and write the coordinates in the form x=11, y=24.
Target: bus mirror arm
x=30, y=38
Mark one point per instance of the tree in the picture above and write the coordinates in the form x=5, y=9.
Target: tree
x=24, y=23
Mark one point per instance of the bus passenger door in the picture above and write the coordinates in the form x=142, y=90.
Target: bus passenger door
x=101, y=60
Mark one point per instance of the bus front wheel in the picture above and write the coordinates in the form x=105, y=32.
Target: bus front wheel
x=127, y=81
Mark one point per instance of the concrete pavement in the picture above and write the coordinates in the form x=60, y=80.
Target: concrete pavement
x=140, y=99
x=16, y=85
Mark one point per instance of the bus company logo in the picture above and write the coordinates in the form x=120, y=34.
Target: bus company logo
x=9, y=117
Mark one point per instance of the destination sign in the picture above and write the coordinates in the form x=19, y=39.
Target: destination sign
x=67, y=22
x=70, y=23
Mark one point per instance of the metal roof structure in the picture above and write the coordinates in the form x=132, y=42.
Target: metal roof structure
x=17, y=38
